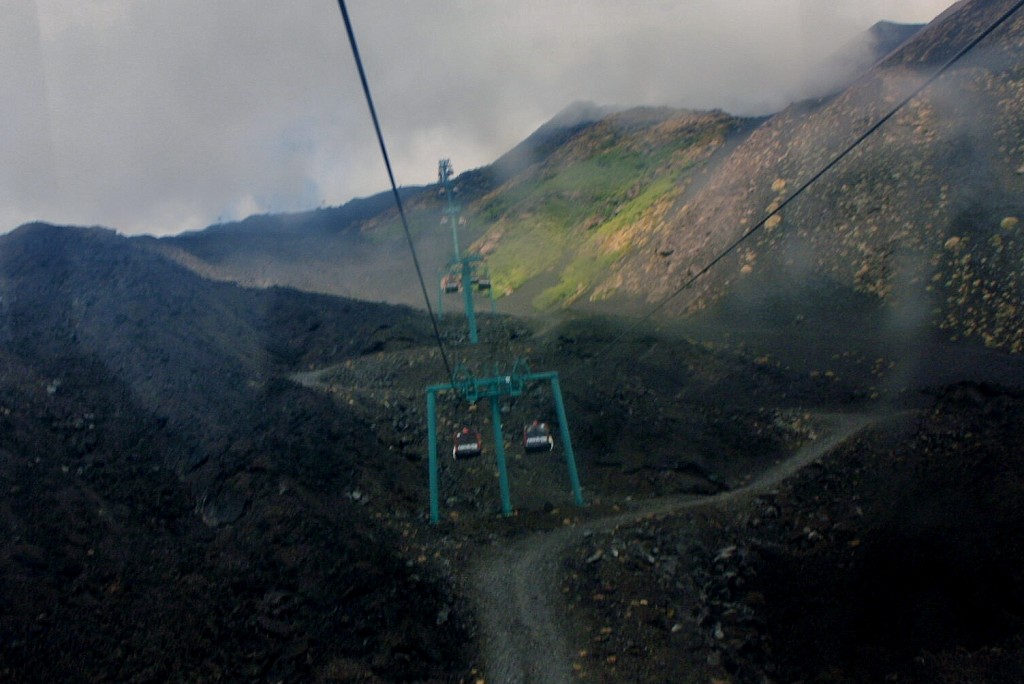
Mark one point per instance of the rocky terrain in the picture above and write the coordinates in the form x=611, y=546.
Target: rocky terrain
x=173, y=508
x=893, y=558
x=208, y=483
x=577, y=201
x=179, y=507
x=922, y=217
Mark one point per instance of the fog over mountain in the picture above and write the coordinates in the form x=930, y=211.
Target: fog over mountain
x=157, y=118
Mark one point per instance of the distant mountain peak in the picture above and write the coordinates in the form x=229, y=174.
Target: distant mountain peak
x=889, y=35
x=580, y=111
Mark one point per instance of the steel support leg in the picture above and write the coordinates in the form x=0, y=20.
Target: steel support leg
x=499, y=453
x=432, y=456
x=563, y=425
x=467, y=291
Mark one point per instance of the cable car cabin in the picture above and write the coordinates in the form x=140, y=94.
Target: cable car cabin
x=467, y=444
x=483, y=284
x=450, y=284
x=537, y=437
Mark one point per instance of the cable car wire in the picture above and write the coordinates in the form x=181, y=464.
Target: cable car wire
x=391, y=177
x=825, y=169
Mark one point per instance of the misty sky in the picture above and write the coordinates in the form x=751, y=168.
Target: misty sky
x=159, y=116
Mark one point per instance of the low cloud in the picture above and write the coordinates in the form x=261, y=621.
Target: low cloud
x=155, y=117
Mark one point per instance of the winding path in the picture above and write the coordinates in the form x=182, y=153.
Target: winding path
x=520, y=612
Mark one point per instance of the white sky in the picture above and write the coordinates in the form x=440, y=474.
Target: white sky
x=159, y=116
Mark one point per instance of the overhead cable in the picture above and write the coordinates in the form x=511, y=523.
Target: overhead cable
x=835, y=160
x=391, y=177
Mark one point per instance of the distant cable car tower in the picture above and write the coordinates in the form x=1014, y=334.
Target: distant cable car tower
x=468, y=443
x=462, y=272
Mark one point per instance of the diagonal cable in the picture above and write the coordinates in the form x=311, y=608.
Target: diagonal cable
x=391, y=177
x=825, y=169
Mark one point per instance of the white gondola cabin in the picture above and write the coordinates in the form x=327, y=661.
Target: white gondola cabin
x=450, y=284
x=468, y=444
x=537, y=437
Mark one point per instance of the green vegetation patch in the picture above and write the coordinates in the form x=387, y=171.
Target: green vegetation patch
x=534, y=246
x=594, y=257
x=577, y=207
x=578, y=277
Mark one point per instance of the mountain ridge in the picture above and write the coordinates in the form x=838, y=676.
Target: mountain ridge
x=356, y=272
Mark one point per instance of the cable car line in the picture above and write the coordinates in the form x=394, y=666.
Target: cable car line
x=391, y=177
x=538, y=437
x=760, y=224
x=467, y=442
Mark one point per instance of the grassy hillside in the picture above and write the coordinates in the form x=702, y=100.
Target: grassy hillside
x=586, y=206
x=572, y=199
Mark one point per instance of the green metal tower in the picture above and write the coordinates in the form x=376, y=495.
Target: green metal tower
x=472, y=389
x=462, y=273
x=459, y=272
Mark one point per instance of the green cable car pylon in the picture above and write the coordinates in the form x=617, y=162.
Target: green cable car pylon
x=473, y=389
x=462, y=273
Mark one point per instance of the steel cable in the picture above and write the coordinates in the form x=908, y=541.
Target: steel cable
x=394, y=186
x=835, y=160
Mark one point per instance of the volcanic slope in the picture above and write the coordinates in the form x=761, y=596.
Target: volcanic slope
x=903, y=518
x=177, y=507
x=914, y=236
x=892, y=558
x=173, y=510
x=161, y=527
x=918, y=229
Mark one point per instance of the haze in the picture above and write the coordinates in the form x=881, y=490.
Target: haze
x=160, y=117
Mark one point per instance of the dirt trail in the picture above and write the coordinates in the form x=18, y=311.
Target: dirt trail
x=520, y=612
